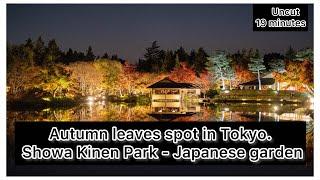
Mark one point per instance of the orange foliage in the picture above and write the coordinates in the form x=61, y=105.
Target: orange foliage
x=243, y=75
x=298, y=74
x=183, y=74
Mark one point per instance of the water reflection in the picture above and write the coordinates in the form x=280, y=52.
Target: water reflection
x=173, y=111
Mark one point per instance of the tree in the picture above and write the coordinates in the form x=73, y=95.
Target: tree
x=177, y=62
x=290, y=54
x=298, y=74
x=88, y=77
x=219, y=65
x=20, y=78
x=90, y=56
x=29, y=53
x=299, y=71
x=112, y=71
x=114, y=57
x=69, y=57
x=256, y=66
x=242, y=74
x=230, y=75
x=201, y=61
x=305, y=54
x=169, y=61
x=153, y=59
x=39, y=50
x=105, y=56
x=277, y=66
x=182, y=54
x=52, y=54
x=183, y=73
x=129, y=80
x=54, y=79
x=192, y=58
x=270, y=58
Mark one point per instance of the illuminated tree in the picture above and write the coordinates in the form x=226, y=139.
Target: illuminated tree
x=88, y=77
x=183, y=73
x=230, y=76
x=129, y=79
x=54, y=79
x=242, y=74
x=112, y=71
x=277, y=66
x=219, y=65
x=305, y=54
x=299, y=75
x=256, y=66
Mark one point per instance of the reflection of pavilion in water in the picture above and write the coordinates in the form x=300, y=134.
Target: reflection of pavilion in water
x=171, y=100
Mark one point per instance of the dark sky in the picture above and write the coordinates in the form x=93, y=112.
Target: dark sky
x=128, y=29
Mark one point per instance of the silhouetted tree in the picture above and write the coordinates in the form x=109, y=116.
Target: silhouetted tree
x=192, y=58
x=153, y=59
x=90, y=56
x=201, y=61
x=69, y=57
x=52, y=54
x=177, y=62
x=290, y=54
x=182, y=54
x=169, y=61
x=105, y=56
x=39, y=50
x=29, y=52
x=270, y=58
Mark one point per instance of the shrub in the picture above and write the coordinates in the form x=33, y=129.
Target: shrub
x=211, y=93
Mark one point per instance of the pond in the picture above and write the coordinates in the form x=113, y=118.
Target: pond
x=169, y=111
x=162, y=111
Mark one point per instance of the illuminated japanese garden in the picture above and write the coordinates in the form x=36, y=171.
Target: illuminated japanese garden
x=184, y=85
x=45, y=83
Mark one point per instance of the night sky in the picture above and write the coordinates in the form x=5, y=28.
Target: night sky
x=128, y=29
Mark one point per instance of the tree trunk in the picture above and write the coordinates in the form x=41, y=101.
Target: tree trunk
x=223, y=84
x=222, y=79
x=259, y=80
x=120, y=91
x=55, y=91
x=310, y=90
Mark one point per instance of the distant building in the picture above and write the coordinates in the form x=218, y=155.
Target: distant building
x=267, y=82
x=175, y=98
